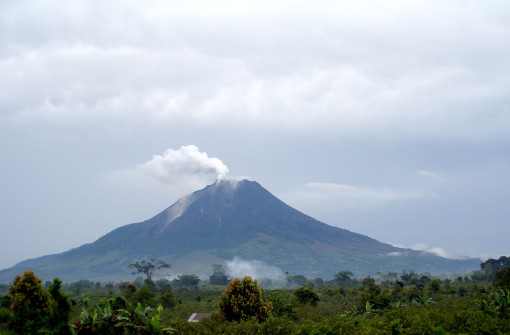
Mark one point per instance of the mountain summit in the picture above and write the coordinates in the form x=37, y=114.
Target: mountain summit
x=234, y=219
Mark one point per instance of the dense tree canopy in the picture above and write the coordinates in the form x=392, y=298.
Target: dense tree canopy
x=491, y=266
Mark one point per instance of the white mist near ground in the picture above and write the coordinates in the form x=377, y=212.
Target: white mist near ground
x=238, y=268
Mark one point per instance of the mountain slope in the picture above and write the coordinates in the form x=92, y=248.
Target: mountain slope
x=234, y=219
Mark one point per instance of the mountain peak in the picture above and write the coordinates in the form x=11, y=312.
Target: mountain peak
x=234, y=218
x=223, y=189
x=232, y=184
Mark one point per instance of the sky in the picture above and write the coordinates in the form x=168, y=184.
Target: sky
x=387, y=118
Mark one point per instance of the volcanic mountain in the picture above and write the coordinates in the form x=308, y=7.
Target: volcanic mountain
x=234, y=219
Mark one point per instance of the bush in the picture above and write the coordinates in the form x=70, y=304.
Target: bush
x=145, y=296
x=168, y=298
x=30, y=305
x=5, y=315
x=305, y=295
x=435, y=285
x=502, y=278
x=242, y=300
x=282, y=303
x=5, y=301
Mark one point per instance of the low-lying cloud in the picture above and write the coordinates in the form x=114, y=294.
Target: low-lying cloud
x=350, y=196
x=436, y=250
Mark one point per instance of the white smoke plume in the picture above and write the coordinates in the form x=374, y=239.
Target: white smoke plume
x=186, y=162
x=238, y=268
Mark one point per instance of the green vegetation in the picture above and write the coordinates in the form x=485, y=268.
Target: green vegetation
x=306, y=295
x=148, y=267
x=36, y=311
x=242, y=300
x=391, y=303
x=219, y=276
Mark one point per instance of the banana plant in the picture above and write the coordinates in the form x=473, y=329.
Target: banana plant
x=496, y=303
x=139, y=320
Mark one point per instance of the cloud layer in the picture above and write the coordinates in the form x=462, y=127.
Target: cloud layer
x=356, y=69
x=349, y=196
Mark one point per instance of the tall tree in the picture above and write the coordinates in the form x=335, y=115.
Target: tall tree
x=61, y=309
x=148, y=267
x=343, y=277
x=219, y=276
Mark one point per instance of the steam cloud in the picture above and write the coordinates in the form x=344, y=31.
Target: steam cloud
x=238, y=268
x=188, y=161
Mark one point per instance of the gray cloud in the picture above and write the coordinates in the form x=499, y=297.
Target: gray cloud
x=337, y=68
x=375, y=97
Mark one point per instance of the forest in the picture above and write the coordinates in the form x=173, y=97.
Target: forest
x=387, y=303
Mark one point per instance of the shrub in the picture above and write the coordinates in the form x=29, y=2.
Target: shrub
x=282, y=303
x=435, y=285
x=5, y=315
x=145, y=296
x=242, y=300
x=306, y=295
x=502, y=278
x=168, y=298
x=30, y=304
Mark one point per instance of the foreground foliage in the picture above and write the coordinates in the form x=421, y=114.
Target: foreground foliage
x=117, y=320
x=36, y=311
x=409, y=303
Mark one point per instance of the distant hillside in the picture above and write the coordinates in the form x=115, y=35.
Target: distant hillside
x=229, y=219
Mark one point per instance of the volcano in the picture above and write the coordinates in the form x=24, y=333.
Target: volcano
x=231, y=219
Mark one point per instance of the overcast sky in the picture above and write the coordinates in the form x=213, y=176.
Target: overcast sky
x=387, y=118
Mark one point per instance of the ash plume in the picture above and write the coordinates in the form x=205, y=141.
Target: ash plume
x=185, y=162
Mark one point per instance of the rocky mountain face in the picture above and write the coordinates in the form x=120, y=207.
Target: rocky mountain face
x=234, y=219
